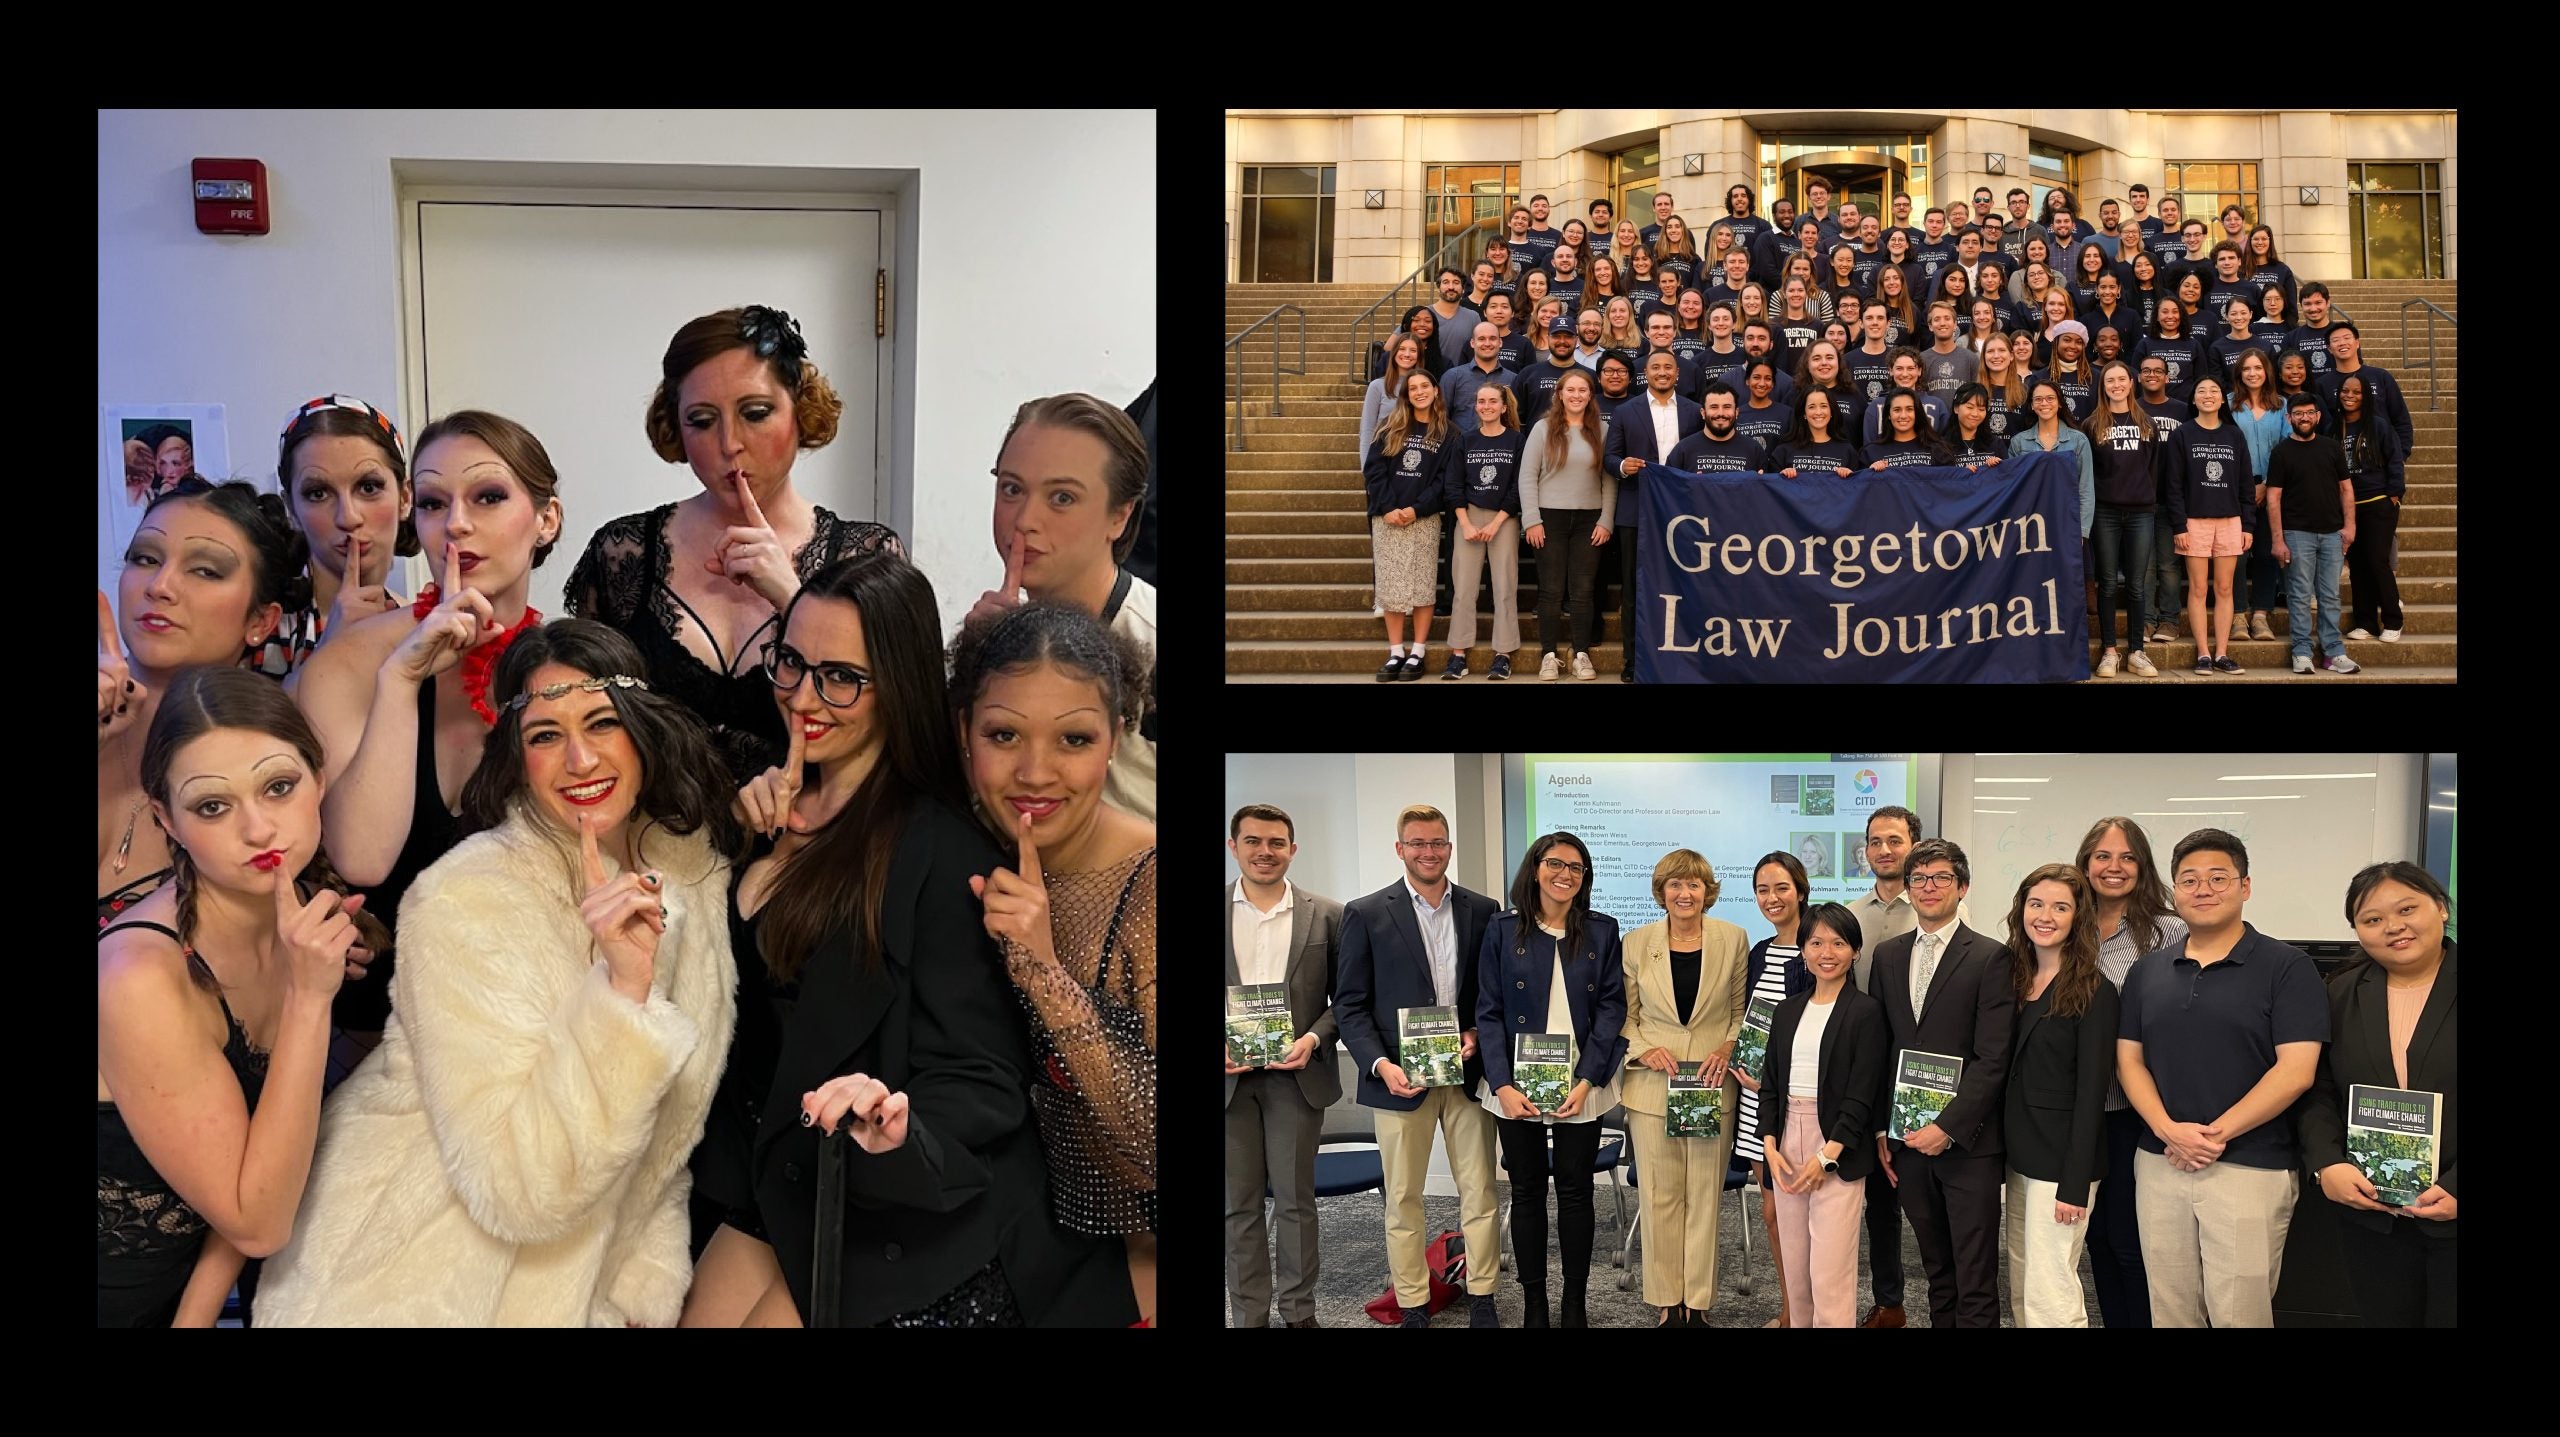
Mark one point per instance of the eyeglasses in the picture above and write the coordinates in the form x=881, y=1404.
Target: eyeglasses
x=784, y=668
x=1560, y=865
x=1930, y=880
x=1428, y=845
x=2197, y=883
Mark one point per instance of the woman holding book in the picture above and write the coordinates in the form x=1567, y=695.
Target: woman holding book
x=2061, y=1056
x=1684, y=1008
x=2392, y=1020
x=1550, y=967
x=1778, y=886
x=1826, y=1065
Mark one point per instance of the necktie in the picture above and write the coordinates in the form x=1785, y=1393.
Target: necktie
x=1928, y=965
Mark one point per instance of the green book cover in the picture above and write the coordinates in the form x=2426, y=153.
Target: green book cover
x=1751, y=1045
x=2393, y=1135
x=1258, y=1024
x=1693, y=1109
x=1428, y=1049
x=1542, y=1069
x=1923, y=1085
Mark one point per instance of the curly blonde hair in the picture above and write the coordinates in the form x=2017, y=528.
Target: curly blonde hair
x=815, y=408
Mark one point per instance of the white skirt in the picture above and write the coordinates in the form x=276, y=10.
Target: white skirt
x=1408, y=562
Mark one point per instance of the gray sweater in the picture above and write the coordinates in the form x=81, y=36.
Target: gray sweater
x=1578, y=484
x=1374, y=409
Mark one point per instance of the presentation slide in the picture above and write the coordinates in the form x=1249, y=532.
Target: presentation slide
x=1732, y=807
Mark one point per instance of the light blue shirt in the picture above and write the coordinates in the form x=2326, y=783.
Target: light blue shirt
x=1440, y=939
x=2075, y=442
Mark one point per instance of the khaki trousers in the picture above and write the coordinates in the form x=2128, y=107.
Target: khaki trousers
x=2212, y=1242
x=1466, y=561
x=1680, y=1181
x=2044, y=1257
x=1404, y=1150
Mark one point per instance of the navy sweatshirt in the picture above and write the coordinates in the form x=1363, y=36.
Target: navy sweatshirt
x=2125, y=464
x=2188, y=358
x=1701, y=455
x=1484, y=470
x=1812, y=458
x=2209, y=475
x=2381, y=395
x=1413, y=476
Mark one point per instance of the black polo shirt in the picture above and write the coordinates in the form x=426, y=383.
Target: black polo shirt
x=2209, y=1033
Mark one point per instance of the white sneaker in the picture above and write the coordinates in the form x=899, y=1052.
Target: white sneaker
x=2391, y=636
x=2107, y=664
x=2358, y=634
x=1582, y=667
x=2302, y=663
x=2342, y=665
x=1547, y=667
x=2140, y=663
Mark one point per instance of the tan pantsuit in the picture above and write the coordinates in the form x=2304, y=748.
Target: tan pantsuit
x=1404, y=1150
x=1680, y=1179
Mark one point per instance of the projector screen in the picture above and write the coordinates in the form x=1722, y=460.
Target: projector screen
x=1631, y=809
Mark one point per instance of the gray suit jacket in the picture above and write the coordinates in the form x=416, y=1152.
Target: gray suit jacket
x=1315, y=946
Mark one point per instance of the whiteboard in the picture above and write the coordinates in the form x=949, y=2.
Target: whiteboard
x=2310, y=821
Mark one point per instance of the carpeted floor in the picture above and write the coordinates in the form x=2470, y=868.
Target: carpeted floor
x=1354, y=1238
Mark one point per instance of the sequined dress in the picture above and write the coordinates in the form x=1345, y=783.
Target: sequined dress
x=1095, y=1084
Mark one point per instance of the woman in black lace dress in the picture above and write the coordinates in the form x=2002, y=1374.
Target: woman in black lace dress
x=213, y=993
x=1045, y=694
x=698, y=584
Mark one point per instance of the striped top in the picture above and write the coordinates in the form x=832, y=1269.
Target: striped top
x=1771, y=962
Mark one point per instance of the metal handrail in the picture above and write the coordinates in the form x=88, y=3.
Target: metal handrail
x=1362, y=326
x=2429, y=364
x=1237, y=344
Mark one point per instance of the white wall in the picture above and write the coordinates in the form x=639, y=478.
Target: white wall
x=261, y=323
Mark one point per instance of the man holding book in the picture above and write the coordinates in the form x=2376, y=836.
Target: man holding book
x=2221, y=1033
x=1685, y=994
x=1949, y=1002
x=1408, y=951
x=1283, y=940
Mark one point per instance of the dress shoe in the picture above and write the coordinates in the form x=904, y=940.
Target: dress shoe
x=1570, y=1313
x=1883, y=1317
x=1416, y=1317
x=1533, y=1301
x=1481, y=1312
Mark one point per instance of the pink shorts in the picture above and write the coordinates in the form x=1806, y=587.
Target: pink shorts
x=2213, y=538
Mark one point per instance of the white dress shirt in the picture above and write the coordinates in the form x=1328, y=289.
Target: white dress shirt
x=1262, y=939
x=1666, y=425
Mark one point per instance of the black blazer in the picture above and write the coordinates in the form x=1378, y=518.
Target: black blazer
x=932, y=1015
x=2360, y=1052
x=1855, y=1070
x=1386, y=967
x=1514, y=965
x=2056, y=1109
x=1972, y=1003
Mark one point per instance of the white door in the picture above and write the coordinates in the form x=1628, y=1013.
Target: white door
x=555, y=313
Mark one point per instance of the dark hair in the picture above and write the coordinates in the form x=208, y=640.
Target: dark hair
x=1525, y=892
x=1932, y=850
x=2349, y=326
x=1124, y=448
x=159, y=434
x=2137, y=188
x=2014, y=194
x=1263, y=811
x=1795, y=874
x=2315, y=287
x=2213, y=840
x=1054, y=633
x=515, y=447
x=1910, y=820
x=1404, y=326
x=2149, y=901
x=199, y=701
x=815, y=409
x=2078, y=981
x=1716, y=387
x=1835, y=916
x=1447, y=269
x=838, y=876
x=2374, y=875
x=334, y=422
x=279, y=557
x=683, y=783
x=1594, y=207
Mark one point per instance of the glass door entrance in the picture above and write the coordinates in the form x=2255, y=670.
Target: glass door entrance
x=1868, y=177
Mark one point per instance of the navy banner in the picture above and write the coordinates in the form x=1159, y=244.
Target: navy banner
x=1935, y=575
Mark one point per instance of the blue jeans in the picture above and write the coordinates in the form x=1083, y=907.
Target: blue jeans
x=2122, y=531
x=2313, y=574
x=2169, y=573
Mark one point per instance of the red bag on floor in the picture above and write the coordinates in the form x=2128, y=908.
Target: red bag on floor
x=1446, y=1258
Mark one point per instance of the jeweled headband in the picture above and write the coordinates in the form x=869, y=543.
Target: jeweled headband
x=594, y=685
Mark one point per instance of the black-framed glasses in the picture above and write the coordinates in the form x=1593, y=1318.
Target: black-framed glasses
x=1930, y=880
x=1561, y=865
x=784, y=668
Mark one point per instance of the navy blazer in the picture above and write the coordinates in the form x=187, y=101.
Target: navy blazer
x=1514, y=966
x=1630, y=436
x=1386, y=967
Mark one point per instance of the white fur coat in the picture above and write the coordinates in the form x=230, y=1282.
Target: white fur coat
x=513, y=1154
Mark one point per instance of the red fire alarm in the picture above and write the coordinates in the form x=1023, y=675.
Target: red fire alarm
x=231, y=197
